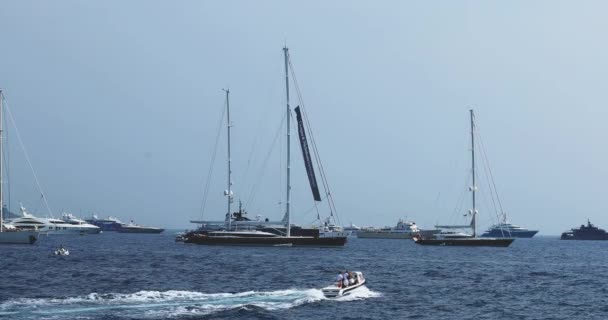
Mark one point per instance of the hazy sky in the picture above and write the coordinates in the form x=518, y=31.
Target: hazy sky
x=118, y=105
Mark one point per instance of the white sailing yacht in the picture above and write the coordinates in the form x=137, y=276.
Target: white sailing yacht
x=8, y=233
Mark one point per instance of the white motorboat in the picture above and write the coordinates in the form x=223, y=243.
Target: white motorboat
x=331, y=230
x=353, y=229
x=61, y=251
x=84, y=226
x=339, y=290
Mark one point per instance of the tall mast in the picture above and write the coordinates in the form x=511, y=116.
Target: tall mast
x=473, y=187
x=1, y=166
x=288, y=226
x=229, y=191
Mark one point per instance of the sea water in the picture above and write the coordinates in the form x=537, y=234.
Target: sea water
x=142, y=276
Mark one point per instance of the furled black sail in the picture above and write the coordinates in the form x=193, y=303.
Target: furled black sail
x=310, y=170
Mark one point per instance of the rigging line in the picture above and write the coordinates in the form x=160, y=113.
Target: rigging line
x=490, y=171
x=249, y=158
x=212, y=164
x=254, y=188
x=324, y=180
x=485, y=169
x=263, y=115
x=460, y=203
x=489, y=178
x=484, y=199
x=7, y=169
x=27, y=158
x=309, y=210
x=331, y=203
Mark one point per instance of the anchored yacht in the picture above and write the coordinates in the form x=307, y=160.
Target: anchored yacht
x=108, y=224
x=84, y=226
x=131, y=227
x=51, y=225
x=403, y=230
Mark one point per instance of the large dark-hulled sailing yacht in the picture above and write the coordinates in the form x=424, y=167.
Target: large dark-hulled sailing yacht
x=240, y=231
x=460, y=239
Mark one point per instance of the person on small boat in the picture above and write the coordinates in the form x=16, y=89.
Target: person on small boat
x=339, y=279
x=345, y=279
x=352, y=278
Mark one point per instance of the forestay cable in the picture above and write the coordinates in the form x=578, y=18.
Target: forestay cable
x=27, y=159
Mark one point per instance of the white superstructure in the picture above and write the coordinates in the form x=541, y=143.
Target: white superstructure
x=52, y=225
x=403, y=230
x=83, y=225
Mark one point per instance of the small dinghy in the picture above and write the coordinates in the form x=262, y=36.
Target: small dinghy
x=62, y=252
x=355, y=280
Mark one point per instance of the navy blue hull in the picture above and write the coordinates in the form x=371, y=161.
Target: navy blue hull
x=505, y=234
x=105, y=225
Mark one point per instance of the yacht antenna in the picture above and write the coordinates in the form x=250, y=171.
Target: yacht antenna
x=288, y=226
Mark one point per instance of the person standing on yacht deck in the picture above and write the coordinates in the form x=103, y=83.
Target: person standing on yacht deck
x=339, y=278
x=345, y=279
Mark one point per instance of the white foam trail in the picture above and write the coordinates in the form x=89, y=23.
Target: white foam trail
x=360, y=294
x=158, y=304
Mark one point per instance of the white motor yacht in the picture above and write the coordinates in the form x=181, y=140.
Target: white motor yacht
x=339, y=290
x=83, y=225
x=353, y=229
x=330, y=230
x=403, y=230
x=50, y=225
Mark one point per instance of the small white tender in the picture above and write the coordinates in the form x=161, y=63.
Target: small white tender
x=61, y=251
x=338, y=289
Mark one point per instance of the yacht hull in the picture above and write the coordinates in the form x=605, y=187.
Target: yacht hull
x=506, y=234
x=569, y=236
x=105, y=225
x=266, y=241
x=335, y=292
x=69, y=231
x=469, y=242
x=395, y=235
x=18, y=237
x=139, y=230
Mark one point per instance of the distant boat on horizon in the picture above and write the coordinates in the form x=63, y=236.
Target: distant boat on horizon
x=585, y=232
x=106, y=224
x=352, y=229
x=131, y=227
x=505, y=229
x=403, y=230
